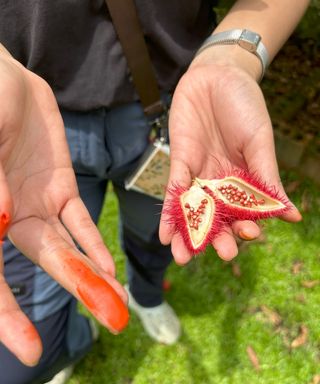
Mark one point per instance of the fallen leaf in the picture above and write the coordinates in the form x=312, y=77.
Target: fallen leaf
x=271, y=315
x=253, y=358
x=310, y=283
x=284, y=333
x=302, y=337
x=297, y=266
x=252, y=310
x=236, y=271
x=300, y=298
x=316, y=379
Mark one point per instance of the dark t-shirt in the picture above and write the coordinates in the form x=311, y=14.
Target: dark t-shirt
x=72, y=44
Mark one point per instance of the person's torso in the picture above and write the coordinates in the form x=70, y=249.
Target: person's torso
x=72, y=44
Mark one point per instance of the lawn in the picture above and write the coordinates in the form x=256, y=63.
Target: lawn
x=254, y=320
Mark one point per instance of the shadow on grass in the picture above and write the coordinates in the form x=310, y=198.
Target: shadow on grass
x=205, y=287
x=114, y=359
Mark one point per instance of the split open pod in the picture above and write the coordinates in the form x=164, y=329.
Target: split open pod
x=201, y=212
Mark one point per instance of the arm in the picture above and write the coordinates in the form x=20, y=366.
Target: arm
x=219, y=113
x=41, y=209
x=273, y=20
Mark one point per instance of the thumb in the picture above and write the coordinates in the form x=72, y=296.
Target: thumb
x=5, y=205
x=261, y=160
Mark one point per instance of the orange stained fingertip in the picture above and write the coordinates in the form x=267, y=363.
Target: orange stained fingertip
x=98, y=295
x=245, y=236
x=31, y=341
x=4, y=223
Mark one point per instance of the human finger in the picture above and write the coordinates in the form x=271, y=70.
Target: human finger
x=74, y=271
x=5, y=205
x=17, y=333
x=179, y=250
x=62, y=231
x=77, y=220
x=246, y=230
x=261, y=160
x=225, y=245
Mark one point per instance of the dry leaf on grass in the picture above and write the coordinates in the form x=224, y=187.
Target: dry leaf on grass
x=272, y=316
x=310, y=283
x=236, y=271
x=302, y=337
x=284, y=333
x=300, y=298
x=316, y=379
x=297, y=266
x=253, y=358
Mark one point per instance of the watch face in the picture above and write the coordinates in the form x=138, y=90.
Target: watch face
x=249, y=40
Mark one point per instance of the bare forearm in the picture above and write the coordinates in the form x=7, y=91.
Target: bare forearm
x=274, y=20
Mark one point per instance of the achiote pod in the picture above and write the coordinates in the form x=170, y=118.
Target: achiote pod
x=201, y=212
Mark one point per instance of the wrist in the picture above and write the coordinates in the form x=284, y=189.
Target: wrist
x=230, y=56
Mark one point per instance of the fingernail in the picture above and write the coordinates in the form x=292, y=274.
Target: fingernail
x=245, y=236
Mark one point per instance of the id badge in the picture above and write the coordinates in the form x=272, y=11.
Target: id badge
x=152, y=173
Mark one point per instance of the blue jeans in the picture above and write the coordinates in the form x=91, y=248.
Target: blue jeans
x=105, y=146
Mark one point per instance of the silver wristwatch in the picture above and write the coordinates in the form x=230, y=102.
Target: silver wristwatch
x=248, y=40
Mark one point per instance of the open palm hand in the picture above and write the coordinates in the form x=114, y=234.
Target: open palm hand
x=38, y=192
x=219, y=120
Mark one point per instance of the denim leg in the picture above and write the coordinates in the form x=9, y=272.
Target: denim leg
x=66, y=338
x=147, y=258
x=127, y=136
x=92, y=191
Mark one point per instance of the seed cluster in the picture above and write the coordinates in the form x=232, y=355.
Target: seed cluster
x=237, y=196
x=194, y=215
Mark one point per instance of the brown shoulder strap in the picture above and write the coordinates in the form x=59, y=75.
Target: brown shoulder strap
x=127, y=26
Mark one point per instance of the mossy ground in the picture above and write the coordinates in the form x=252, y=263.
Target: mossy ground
x=261, y=301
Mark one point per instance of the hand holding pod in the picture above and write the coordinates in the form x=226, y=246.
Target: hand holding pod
x=200, y=212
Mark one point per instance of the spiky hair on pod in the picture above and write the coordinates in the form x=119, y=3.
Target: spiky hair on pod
x=201, y=212
x=194, y=212
x=245, y=196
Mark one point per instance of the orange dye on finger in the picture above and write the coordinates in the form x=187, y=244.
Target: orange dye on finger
x=30, y=333
x=27, y=345
x=245, y=236
x=98, y=295
x=115, y=311
x=4, y=223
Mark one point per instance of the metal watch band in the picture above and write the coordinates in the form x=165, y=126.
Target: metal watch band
x=248, y=40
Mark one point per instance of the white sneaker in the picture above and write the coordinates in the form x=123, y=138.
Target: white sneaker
x=160, y=322
x=64, y=375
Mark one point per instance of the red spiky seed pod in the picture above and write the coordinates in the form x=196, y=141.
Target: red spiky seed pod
x=194, y=214
x=245, y=197
x=200, y=212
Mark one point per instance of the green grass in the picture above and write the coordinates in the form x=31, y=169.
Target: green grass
x=221, y=313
